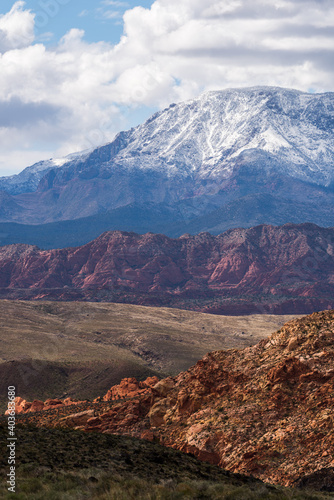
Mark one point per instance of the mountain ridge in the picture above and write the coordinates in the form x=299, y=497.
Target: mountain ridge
x=217, y=107
x=270, y=269
x=199, y=155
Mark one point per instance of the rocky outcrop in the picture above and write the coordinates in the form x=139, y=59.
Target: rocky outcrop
x=265, y=269
x=130, y=388
x=23, y=406
x=78, y=420
x=266, y=410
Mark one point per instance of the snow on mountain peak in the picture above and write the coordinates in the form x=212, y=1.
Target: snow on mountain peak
x=29, y=178
x=209, y=137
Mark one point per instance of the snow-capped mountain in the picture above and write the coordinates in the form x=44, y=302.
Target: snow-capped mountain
x=27, y=181
x=232, y=157
x=209, y=136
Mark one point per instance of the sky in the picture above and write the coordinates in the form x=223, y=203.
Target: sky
x=73, y=73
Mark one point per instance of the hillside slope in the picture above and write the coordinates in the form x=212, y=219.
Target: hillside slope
x=81, y=349
x=62, y=464
x=264, y=269
x=265, y=410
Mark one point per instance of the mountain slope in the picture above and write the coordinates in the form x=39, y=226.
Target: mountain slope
x=266, y=410
x=140, y=218
x=58, y=463
x=28, y=180
x=288, y=269
x=245, y=211
x=55, y=348
x=201, y=155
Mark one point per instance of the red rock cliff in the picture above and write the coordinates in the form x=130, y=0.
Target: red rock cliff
x=288, y=269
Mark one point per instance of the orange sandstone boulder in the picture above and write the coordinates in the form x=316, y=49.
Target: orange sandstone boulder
x=130, y=388
x=53, y=402
x=36, y=405
x=23, y=406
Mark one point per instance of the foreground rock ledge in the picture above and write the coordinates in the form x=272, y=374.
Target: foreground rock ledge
x=266, y=410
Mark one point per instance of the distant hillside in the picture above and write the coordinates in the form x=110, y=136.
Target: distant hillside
x=265, y=269
x=245, y=212
x=59, y=349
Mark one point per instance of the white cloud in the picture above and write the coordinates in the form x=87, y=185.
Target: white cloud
x=228, y=43
x=16, y=28
x=115, y=3
x=11, y=162
x=84, y=13
x=170, y=52
x=111, y=14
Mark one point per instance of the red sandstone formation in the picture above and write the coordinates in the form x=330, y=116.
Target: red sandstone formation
x=265, y=410
x=288, y=269
x=23, y=406
x=130, y=388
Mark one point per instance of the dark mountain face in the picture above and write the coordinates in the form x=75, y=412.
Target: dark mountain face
x=287, y=269
x=195, y=161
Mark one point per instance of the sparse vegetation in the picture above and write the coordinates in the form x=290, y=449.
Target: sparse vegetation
x=64, y=465
x=51, y=349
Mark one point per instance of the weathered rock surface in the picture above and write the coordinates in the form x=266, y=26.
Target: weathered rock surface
x=266, y=269
x=77, y=420
x=23, y=406
x=129, y=388
x=266, y=410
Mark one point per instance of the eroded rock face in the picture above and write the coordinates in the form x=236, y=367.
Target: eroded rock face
x=266, y=410
x=288, y=269
x=23, y=406
x=77, y=420
x=129, y=388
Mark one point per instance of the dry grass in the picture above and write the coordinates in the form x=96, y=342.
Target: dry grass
x=104, y=342
x=61, y=464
